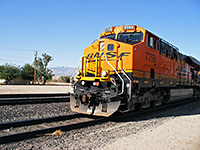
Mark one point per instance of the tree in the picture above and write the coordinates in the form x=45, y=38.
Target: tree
x=1, y=69
x=27, y=72
x=9, y=72
x=43, y=72
x=65, y=79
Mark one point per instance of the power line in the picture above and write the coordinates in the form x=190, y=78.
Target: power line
x=22, y=49
x=17, y=48
x=64, y=56
x=11, y=56
x=11, y=60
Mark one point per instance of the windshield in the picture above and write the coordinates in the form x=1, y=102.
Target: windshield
x=130, y=37
x=110, y=36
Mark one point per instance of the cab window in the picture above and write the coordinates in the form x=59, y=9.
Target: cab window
x=109, y=36
x=164, y=49
x=152, y=42
x=130, y=37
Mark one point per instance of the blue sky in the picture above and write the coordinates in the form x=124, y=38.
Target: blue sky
x=63, y=28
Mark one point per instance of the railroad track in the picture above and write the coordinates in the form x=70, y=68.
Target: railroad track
x=13, y=99
x=21, y=123
x=95, y=120
x=35, y=133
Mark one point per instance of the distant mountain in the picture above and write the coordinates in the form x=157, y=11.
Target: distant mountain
x=63, y=71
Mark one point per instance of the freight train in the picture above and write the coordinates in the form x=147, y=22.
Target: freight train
x=129, y=67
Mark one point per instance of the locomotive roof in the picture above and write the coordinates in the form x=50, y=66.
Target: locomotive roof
x=193, y=62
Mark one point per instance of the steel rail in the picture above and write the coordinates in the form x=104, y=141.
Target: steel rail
x=42, y=132
x=116, y=117
x=7, y=125
x=12, y=99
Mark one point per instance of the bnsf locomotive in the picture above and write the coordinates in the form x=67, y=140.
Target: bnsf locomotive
x=129, y=67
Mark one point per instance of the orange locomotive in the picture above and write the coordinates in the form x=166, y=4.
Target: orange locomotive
x=129, y=67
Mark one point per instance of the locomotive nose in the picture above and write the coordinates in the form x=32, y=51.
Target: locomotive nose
x=101, y=110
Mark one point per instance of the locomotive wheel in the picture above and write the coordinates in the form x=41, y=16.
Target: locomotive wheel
x=158, y=102
x=195, y=96
x=198, y=94
x=145, y=104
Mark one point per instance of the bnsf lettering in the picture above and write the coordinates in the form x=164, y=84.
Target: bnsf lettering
x=89, y=55
x=111, y=54
x=124, y=54
x=108, y=54
x=97, y=54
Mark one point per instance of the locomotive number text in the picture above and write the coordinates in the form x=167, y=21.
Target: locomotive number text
x=150, y=57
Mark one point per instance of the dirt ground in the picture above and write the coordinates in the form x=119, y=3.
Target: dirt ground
x=178, y=133
x=31, y=89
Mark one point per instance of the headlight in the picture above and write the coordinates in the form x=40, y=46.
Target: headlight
x=109, y=29
x=82, y=82
x=104, y=73
x=78, y=73
x=127, y=85
x=94, y=83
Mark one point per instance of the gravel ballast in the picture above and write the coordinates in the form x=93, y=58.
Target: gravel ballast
x=33, y=111
x=176, y=128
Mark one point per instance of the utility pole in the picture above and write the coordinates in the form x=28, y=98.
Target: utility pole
x=34, y=82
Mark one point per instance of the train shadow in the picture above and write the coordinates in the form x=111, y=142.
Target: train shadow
x=190, y=109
